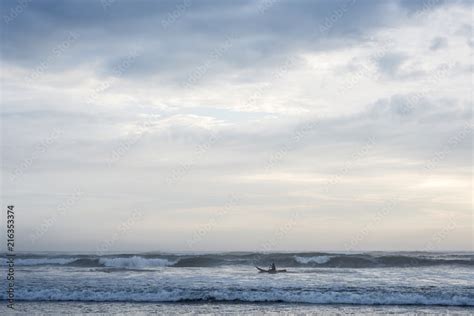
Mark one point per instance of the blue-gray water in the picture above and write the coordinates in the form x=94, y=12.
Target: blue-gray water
x=228, y=282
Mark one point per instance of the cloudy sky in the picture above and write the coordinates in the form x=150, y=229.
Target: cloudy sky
x=237, y=125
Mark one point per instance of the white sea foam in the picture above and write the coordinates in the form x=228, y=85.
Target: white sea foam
x=317, y=259
x=207, y=278
x=135, y=262
x=313, y=297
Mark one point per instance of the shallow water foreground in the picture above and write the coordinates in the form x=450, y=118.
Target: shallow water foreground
x=77, y=308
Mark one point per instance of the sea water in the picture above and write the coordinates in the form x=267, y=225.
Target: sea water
x=377, y=282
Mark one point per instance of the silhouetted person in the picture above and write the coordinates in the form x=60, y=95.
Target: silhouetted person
x=272, y=267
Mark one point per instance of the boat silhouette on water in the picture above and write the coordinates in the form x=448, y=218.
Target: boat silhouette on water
x=271, y=271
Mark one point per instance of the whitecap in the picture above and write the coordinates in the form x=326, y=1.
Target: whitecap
x=316, y=259
x=135, y=262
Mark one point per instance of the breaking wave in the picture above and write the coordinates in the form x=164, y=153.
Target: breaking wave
x=43, y=261
x=315, y=260
x=134, y=262
x=328, y=296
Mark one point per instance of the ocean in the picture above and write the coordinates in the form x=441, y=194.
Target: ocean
x=216, y=283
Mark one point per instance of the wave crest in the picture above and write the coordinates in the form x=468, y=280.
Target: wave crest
x=317, y=259
x=250, y=295
x=43, y=261
x=135, y=262
x=287, y=260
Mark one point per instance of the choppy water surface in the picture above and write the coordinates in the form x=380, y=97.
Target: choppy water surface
x=314, y=282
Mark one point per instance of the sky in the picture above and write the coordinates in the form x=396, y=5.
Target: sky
x=237, y=125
